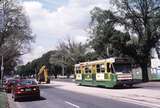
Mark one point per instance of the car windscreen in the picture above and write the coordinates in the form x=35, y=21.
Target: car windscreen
x=12, y=81
x=27, y=82
x=122, y=67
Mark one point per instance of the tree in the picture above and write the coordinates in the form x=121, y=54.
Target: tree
x=140, y=19
x=32, y=68
x=104, y=35
x=72, y=51
x=90, y=56
x=16, y=37
x=68, y=53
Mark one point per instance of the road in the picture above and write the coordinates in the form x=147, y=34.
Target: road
x=150, y=85
x=52, y=97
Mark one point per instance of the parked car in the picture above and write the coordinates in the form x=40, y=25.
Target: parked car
x=25, y=88
x=9, y=83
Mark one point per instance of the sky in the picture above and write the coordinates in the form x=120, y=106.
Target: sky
x=53, y=21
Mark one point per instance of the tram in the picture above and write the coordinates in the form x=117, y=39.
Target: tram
x=109, y=73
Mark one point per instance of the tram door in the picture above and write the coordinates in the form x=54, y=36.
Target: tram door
x=78, y=73
x=88, y=73
x=109, y=71
x=100, y=72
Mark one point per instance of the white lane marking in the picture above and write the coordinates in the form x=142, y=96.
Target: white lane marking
x=76, y=106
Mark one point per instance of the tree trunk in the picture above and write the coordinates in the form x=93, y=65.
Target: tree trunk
x=144, y=72
x=55, y=76
x=68, y=76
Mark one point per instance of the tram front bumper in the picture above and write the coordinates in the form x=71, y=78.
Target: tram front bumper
x=128, y=82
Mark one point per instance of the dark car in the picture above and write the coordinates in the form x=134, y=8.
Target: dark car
x=25, y=88
x=8, y=84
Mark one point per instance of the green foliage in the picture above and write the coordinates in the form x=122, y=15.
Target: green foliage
x=139, y=18
x=68, y=53
x=16, y=37
x=32, y=68
x=105, y=38
x=66, y=56
x=90, y=56
x=71, y=51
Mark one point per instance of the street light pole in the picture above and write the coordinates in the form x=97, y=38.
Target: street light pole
x=2, y=69
x=1, y=29
x=62, y=69
x=62, y=66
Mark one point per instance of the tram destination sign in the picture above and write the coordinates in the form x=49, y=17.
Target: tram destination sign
x=122, y=60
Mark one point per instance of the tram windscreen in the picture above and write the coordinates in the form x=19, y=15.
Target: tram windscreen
x=120, y=67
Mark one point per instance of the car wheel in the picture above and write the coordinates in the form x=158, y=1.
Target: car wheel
x=131, y=85
x=15, y=98
x=38, y=97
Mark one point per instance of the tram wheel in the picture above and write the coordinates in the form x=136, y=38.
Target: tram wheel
x=130, y=86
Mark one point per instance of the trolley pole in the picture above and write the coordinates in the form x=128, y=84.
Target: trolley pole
x=2, y=69
x=107, y=51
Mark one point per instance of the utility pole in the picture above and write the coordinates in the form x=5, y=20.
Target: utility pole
x=62, y=69
x=62, y=66
x=1, y=30
x=2, y=69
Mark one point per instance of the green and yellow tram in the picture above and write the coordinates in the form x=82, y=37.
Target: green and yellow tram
x=109, y=73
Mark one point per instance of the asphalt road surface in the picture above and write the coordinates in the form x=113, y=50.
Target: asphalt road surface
x=51, y=97
x=141, y=85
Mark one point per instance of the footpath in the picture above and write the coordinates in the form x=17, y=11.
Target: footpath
x=3, y=100
x=145, y=94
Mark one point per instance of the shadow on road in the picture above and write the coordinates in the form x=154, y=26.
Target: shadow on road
x=115, y=88
x=31, y=99
x=134, y=87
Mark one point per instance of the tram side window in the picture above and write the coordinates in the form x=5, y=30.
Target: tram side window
x=87, y=70
x=108, y=67
x=78, y=71
x=112, y=70
x=102, y=68
x=98, y=68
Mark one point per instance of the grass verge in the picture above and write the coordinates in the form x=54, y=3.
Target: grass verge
x=3, y=100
